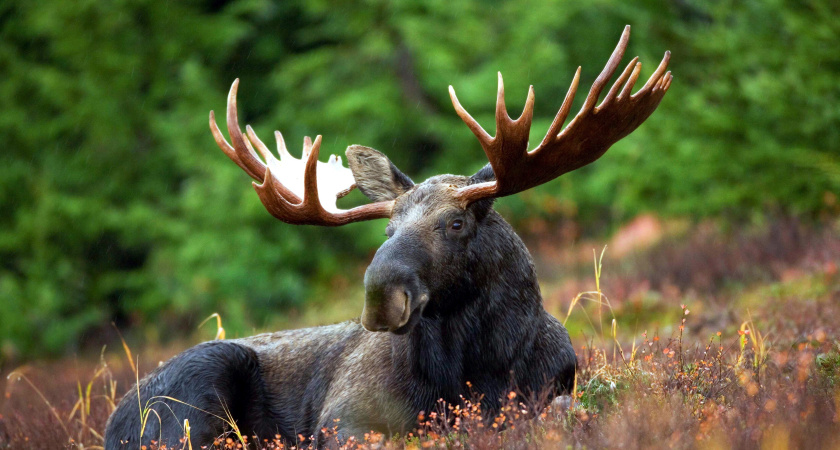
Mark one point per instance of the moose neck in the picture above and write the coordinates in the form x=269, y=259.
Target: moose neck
x=479, y=327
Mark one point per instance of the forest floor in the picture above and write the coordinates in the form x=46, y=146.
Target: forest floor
x=687, y=336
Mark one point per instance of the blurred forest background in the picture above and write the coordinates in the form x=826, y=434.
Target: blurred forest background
x=117, y=206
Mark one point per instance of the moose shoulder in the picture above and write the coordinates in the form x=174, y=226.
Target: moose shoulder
x=451, y=296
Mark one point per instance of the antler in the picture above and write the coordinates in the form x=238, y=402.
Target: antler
x=592, y=131
x=283, y=201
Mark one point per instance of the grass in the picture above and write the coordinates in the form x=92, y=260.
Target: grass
x=752, y=361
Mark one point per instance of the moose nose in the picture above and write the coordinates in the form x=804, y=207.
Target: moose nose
x=394, y=289
x=387, y=308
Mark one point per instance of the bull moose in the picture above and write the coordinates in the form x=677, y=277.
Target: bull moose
x=451, y=297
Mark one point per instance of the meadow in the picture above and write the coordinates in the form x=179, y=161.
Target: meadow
x=687, y=336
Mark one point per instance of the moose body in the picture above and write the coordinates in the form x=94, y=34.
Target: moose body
x=452, y=304
x=490, y=330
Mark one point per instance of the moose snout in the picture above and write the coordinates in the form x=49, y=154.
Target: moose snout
x=394, y=294
x=387, y=308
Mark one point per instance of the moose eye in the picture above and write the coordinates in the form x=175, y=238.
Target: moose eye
x=457, y=224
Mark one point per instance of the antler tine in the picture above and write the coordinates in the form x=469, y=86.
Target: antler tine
x=281, y=145
x=527, y=115
x=226, y=147
x=259, y=144
x=607, y=73
x=222, y=142
x=247, y=157
x=483, y=137
x=657, y=74
x=307, y=146
x=589, y=134
x=283, y=203
x=560, y=118
x=310, y=180
x=625, y=75
x=628, y=87
x=501, y=109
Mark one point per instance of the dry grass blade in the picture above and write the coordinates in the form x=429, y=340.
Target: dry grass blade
x=126, y=349
x=220, y=332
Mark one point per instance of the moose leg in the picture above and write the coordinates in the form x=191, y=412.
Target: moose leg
x=209, y=385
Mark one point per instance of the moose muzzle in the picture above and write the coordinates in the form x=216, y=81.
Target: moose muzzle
x=394, y=294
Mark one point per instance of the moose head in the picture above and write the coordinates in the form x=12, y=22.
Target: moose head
x=438, y=223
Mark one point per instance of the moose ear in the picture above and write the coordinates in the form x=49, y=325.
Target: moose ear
x=483, y=206
x=376, y=176
x=485, y=174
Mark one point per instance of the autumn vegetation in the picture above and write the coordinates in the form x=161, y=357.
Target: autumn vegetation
x=750, y=361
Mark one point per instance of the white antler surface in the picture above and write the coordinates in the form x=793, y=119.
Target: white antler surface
x=334, y=180
x=290, y=188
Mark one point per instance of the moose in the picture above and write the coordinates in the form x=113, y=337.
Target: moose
x=451, y=297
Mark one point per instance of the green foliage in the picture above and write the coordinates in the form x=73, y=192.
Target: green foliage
x=599, y=394
x=828, y=365
x=117, y=206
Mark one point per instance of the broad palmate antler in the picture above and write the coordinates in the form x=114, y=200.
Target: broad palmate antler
x=592, y=131
x=294, y=200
